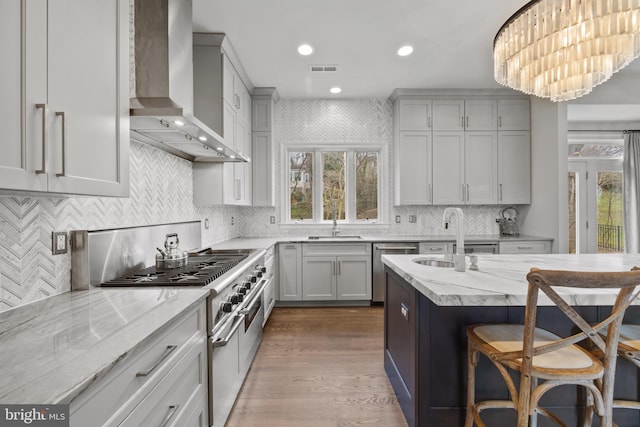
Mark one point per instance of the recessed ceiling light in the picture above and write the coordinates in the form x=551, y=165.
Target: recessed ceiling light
x=219, y=148
x=305, y=49
x=178, y=122
x=232, y=156
x=405, y=50
x=202, y=138
x=335, y=90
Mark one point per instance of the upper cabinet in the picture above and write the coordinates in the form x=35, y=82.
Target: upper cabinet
x=65, y=97
x=227, y=110
x=263, y=160
x=462, y=150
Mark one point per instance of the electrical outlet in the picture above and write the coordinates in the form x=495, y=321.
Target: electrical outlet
x=233, y=221
x=59, y=242
x=272, y=219
x=413, y=219
x=397, y=219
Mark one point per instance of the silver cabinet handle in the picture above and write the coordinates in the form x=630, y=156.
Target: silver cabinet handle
x=215, y=343
x=500, y=192
x=395, y=248
x=43, y=107
x=339, y=268
x=404, y=311
x=64, y=142
x=237, y=189
x=430, y=123
x=172, y=411
x=525, y=247
x=467, y=192
x=431, y=192
x=167, y=351
x=499, y=121
x=463, y=192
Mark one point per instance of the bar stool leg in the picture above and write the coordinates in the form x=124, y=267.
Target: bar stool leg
x=472, y=362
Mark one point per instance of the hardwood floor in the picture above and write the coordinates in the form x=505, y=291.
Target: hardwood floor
x=319, y=367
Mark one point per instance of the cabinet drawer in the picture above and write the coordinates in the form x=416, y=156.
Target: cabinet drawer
x=139, y=371
x=169, y=402
x=538, y=247
x=332, y=249
x=435, y=248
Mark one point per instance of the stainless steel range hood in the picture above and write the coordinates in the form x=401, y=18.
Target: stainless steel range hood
x=162, y=107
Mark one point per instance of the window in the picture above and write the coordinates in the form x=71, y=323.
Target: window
x=334, y=179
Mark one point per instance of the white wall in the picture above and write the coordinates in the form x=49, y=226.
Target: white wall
x=547, y=214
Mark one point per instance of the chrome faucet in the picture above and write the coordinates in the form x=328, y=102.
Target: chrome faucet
x=458, y=257
x=334, y=229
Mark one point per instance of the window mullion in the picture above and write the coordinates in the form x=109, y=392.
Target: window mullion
x=317, y=187
x=350, y=178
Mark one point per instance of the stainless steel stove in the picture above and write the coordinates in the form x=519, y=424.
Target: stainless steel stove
x=236, y=279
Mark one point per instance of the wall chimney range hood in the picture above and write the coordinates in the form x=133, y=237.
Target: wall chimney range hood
x=162, y=107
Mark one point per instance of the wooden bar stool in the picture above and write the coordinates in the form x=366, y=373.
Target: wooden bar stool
x=629, y=348
x=546, y=360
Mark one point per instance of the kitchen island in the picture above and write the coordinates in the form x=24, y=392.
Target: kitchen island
x=427, y=310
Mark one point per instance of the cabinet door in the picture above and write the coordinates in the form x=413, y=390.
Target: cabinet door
x=413, y=169
x=448, y=115
x=481, y=114
x=261, y=115
x=354, y=278
x=448, y=168
x=319, y=278
x=262, y=173
x=290, y=271
x=481, y=169
x=88, y=86
x=414, y=114
x=228, y=81
x=22, y=121
x=514, y=167
x=514, y=114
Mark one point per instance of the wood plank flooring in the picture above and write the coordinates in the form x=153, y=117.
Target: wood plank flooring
x=319, y=367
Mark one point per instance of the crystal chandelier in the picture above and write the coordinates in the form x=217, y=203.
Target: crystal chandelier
x=562, y=49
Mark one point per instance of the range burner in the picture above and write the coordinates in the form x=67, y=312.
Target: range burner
x=202, y=269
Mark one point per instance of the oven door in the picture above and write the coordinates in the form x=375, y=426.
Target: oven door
x=225, y=378
x=251, y=335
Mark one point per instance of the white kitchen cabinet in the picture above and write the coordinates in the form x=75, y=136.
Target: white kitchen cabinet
x=466, y=168
x=215, y=70
x=163, y=379
x=414, y=114
x=413, y=183
x=514, y=167
x=448, y=114
x=66, y=98
x=525, y=247
x=514, y=114
x=336, y=271
x=290, y=271
x=469, y=114
x=263, y=154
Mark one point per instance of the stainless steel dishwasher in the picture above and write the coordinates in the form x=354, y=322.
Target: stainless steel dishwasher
x=387, y=248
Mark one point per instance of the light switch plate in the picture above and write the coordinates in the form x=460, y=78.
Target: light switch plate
x=59, y=242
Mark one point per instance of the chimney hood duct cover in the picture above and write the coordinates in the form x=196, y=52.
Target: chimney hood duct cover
x=162, y=108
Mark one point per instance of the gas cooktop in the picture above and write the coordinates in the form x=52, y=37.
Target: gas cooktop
x=201, y=269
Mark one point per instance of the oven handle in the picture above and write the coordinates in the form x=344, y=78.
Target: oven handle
x=256, y=297
x=217, y=342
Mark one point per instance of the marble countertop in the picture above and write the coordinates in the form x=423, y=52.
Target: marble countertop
x=52, y=349
x=501, y=280
x=267, y=242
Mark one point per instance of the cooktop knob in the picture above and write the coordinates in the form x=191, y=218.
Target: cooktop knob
x=246, y=284
x=226, y=307
x=262, y=268
x=252, y=278
x=242, y=290
x=239, y=296
x=257, y=273
x=233, y=299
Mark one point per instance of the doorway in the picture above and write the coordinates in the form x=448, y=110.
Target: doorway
x=596, y=207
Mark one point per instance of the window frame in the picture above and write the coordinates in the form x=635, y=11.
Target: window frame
x=350, y=178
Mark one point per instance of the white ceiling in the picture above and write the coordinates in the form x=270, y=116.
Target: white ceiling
x=452, y=41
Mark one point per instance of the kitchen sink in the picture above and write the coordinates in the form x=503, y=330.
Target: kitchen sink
x=434, y=262
x=333, y=237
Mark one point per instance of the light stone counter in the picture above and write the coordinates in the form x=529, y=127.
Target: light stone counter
x=501, y=280
x=52, y=349
x=266, y=242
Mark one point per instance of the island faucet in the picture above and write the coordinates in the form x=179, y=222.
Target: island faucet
x=334, y=229
x=458, y=257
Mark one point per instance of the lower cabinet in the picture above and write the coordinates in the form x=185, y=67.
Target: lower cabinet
x=290, y=271
x=336, y=271
x=525, y=247
x=163, y=382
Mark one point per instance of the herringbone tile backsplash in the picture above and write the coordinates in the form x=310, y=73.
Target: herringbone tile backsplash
x=161, y=192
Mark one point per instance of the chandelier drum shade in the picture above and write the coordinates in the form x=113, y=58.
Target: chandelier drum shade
x=562, y=49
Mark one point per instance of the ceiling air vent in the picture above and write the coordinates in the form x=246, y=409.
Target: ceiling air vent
x=323, y=68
